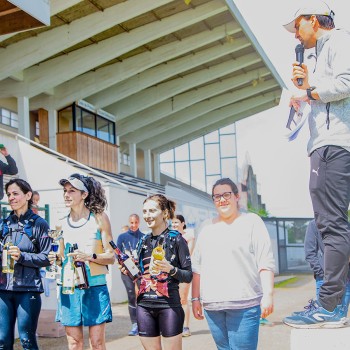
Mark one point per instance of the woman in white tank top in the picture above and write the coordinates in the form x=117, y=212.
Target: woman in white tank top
x=88, y=226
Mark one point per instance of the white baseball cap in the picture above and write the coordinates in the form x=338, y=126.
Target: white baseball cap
x=311, y=8
x=75, y=182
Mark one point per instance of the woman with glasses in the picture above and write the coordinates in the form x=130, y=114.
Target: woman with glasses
x=89, y=227
x=20, y=283
x=159, y=310
x=233, y=272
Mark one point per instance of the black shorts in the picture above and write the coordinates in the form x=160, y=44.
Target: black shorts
x=153, y=322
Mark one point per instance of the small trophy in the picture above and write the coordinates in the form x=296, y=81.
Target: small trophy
x=56, y=235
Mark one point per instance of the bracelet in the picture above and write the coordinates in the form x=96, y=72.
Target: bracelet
x=195, y=299
x=173, y=271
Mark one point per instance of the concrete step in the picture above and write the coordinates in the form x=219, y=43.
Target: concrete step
x=320, y=339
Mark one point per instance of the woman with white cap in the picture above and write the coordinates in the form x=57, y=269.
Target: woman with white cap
x=87, y=225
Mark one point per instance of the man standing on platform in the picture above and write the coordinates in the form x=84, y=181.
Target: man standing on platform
x=9, y=169
x=328, y=93
x=127, y=242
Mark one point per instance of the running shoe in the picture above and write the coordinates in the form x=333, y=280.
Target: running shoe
x=186, y=332
x=306, y=308
x=317, y=317
x=265, y=322
x=134, y=330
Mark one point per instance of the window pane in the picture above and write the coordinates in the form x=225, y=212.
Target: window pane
x=6, y=117
x=112, y=132
x=78, y=120
x=197, y=149
x=229, y=168
x=229, y=129
x=14, y=120
x=212, y=137
x=167, y=156
x=228, y=146
x=181, y=152
x=167, y=169
x=65, y=119
x=210, y=182
x=198, y=174
x=212, y=159
x=125, y=159
x=37, y=129
x=183, y=172
x=88, y=123
x=103, y=129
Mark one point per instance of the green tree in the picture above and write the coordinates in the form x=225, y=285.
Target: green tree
x=261, y=212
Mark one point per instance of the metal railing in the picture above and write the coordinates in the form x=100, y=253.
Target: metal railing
x=289, y=233
x=5, y=211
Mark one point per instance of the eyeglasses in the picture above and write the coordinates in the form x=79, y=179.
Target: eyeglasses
x=225, y=195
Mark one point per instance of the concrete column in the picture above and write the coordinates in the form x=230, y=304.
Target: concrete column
x=148, y=164
x=133, y=159
x=23, y=116
x=52, y=128
x=156, y=168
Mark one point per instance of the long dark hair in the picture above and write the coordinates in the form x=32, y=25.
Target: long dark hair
x=96, y=200
x=24, y=186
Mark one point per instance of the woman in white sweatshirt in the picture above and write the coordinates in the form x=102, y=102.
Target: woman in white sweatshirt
x=233, y=272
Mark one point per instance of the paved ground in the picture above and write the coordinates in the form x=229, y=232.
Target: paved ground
x=272, y=337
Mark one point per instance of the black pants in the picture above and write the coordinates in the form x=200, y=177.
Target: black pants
x=130, y=289
x=330, y=195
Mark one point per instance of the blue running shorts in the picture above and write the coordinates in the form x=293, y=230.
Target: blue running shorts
x=86, y=307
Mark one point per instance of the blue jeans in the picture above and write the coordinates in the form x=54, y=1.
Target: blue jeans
x=346, y=296
x=25, y=306
x=235, y=329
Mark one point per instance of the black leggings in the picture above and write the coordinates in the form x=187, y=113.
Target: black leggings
x=25, y=307
x=153, y=322
x=130, y=289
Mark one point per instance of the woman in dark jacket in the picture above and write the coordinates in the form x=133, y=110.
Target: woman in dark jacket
x=20, y=291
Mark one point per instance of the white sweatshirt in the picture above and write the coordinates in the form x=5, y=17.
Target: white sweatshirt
x=332, y=81
x=229, y=257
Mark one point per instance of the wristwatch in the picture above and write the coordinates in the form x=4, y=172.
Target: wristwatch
x=94, y=256
x=308, y=92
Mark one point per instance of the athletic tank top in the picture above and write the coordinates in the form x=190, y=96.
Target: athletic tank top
x=84, y=233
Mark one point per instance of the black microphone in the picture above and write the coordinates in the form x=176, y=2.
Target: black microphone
x=299, y=54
